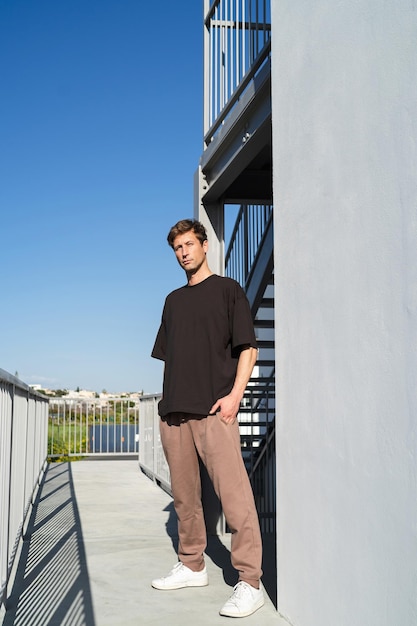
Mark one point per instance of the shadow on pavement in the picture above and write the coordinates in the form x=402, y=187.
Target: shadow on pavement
x=51, y=586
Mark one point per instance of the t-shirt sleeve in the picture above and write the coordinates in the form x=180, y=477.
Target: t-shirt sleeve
x=243, y=333
x=159, y=348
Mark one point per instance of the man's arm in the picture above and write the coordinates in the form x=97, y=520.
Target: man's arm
x=228, y=406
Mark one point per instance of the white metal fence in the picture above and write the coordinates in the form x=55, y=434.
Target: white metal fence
x=93, y=426
x=153, y=463
x=23, y=452
x=151, y=455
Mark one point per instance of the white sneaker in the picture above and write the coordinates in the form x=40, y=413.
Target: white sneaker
x=244, y=601
x=181, y=576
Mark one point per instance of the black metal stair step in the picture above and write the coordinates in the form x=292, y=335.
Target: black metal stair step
x=267, y=303
x=249, y=455
x=261, y=393
x=248, y=441
x=255, y=444
x=257, y=396
x=264, y=323
x=262, y=423
x=265, y=363
x=254, y=409
x=258, y=404
x=266, y=343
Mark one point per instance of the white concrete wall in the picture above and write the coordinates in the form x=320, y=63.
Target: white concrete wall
x=345, y=196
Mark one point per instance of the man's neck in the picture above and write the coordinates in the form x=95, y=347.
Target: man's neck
x=197, y=277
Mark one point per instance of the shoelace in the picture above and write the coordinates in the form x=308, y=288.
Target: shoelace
x=177, y=567
x=240, y=590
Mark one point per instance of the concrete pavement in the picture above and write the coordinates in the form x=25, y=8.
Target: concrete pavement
x=99, y=533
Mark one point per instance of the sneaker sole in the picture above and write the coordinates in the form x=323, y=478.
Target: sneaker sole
x=246, y=614
x=189, y=583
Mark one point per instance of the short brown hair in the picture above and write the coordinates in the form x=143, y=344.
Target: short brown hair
x=184, y=226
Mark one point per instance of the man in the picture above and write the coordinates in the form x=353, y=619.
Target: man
x=207, y=341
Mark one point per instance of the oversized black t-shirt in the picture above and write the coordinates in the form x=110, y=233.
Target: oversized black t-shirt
x=202, y=331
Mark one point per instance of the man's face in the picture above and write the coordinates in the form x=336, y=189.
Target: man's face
x=190, y=253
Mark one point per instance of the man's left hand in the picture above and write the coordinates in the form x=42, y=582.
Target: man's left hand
x=226, y=408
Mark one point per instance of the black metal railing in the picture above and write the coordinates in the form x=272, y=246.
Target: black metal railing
x=239, y=45
x=250, y=227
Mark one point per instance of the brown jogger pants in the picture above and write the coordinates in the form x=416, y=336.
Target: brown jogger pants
x=218, y=444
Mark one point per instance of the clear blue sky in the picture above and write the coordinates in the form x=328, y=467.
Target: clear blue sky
x=100, y=136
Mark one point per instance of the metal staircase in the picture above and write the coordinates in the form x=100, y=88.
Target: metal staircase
x=235, y=169
x=252, y=264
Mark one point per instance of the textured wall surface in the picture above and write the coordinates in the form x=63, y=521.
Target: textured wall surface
x=345, y=196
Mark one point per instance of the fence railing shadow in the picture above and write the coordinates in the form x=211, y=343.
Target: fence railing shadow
x=51, y=585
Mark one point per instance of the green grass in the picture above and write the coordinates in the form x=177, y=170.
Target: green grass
x=66, y=443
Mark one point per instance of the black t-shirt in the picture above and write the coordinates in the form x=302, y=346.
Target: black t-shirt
x=202, y=331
